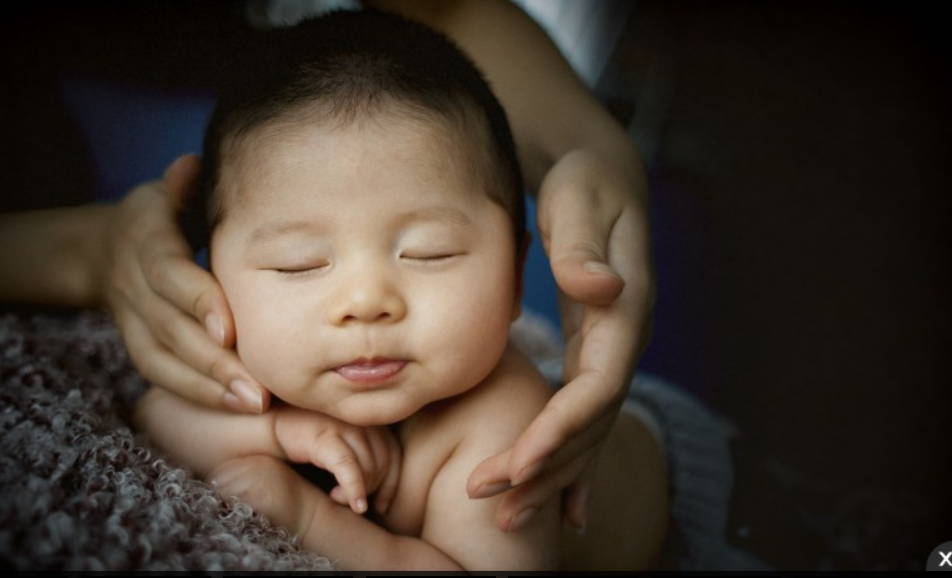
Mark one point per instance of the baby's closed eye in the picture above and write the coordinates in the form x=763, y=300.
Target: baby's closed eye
x=431, y=256
x=301, y=268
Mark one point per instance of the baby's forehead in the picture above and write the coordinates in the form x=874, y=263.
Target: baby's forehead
x=444, y=145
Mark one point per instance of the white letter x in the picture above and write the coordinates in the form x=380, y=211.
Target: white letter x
x=946, y=558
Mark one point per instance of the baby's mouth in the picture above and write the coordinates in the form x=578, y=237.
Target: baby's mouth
x=370, y=371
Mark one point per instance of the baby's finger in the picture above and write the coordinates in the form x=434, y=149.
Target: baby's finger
x=377, y=439
x=334, y=455
x=356, y=438
x=339, y=496
x=391, y=481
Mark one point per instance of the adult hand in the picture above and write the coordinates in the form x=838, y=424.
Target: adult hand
x=594, y=229
x=172, y=314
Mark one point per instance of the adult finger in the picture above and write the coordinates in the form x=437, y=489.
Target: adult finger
x=575, y=226
x=575, y=419
x=575, y=501
x=490, y=477
x=181, y=178
x=170, y=272
x=498, y=467
x=519, y=505
x=159, y=366
x=183, y=337
x=334, y=455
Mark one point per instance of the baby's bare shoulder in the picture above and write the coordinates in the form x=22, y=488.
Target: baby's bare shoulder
x=500, y=408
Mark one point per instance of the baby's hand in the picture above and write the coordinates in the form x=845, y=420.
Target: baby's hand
x=365, y=460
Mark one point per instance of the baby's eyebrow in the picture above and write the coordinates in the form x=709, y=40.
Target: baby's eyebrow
x=440, y=213
x=444, y=214
x=278, y=228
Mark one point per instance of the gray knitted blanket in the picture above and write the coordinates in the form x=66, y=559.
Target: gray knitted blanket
x=80, y=491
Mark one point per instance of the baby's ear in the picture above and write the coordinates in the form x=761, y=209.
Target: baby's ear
x=520, y=266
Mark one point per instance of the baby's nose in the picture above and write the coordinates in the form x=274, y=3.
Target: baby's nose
x=369, y=301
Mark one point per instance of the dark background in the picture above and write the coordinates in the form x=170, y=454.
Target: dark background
x=799, y=162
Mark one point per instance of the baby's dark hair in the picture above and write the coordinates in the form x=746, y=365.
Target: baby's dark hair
x=348, y=65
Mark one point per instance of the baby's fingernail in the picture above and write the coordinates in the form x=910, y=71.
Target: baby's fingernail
x=487, y=490
x=598, y=267
x=215, y=328
x=250, y=397
x=520, y=519
x=360, y=505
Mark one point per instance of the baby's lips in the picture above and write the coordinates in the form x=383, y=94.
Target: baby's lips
x=370, y=371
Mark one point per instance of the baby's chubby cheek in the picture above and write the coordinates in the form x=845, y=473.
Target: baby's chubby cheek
x=276, y=353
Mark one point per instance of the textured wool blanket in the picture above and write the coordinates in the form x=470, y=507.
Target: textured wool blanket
x=80, y=491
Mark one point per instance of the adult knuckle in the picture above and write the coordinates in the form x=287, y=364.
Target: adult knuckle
x=200, y=302
x=218, y=367
x=564, y=420
x=157, y=273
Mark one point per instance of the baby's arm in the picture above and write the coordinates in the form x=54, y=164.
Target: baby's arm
x=363, y=459
x=457, y=533
x=471, y=540
x=202, y=438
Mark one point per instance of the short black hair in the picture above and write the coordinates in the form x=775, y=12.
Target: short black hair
x=349, y=65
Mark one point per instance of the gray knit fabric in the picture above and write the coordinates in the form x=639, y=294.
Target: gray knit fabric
x=78, y=491
x=697, y=447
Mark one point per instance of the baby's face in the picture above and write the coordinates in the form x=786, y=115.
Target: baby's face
x=367, y=274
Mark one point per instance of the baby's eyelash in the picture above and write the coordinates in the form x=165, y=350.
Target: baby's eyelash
x=431, y=258
x=298, y=271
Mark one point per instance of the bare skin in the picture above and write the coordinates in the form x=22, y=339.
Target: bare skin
x=439, y=444
x=179, y=330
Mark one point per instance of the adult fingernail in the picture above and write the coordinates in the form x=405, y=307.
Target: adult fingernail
x=598, y=267
x=527, y=473
x=232, y=402
x=250, y=397
x=215, y=328
x=487, y=490
x=520, y=519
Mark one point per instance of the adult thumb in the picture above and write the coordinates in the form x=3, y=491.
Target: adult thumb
x=578, y=253
x=181, y=178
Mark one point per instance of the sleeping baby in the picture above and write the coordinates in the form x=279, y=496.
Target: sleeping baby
x=362, y=204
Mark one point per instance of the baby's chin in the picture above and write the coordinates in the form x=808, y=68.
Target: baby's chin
x=361, y=409
x=368, y=416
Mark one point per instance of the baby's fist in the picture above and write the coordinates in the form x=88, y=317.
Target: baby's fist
x=365, y=460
